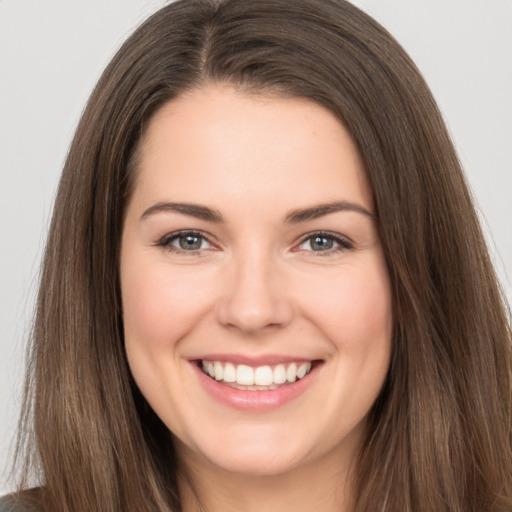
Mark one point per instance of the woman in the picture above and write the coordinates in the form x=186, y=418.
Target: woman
x=265, y=286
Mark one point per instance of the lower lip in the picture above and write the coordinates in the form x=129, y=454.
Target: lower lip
x=256, y=401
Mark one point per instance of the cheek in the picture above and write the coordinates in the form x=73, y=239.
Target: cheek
x=367, y=309
x=159, y=305
x=353, y=308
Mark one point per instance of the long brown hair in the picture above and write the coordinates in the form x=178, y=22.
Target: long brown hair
x=440, y=432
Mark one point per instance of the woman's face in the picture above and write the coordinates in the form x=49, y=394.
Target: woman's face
x=256, y=300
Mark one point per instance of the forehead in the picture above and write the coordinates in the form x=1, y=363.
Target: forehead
x=218, y=143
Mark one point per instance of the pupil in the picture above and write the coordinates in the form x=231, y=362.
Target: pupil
x=190, y=242
x=321, y=243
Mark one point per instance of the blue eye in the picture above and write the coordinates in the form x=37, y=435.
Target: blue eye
x=324, y=242
x=185, y=241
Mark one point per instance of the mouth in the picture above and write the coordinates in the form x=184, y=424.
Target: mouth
x=256, y=386
x=256, y=378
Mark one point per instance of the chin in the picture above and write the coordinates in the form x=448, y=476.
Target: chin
x=253, y=454
x=245, y=453
x=258, y=465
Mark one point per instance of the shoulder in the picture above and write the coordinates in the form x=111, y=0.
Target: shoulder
x=25, y=500
x=8, y=504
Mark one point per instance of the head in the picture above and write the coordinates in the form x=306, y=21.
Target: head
x=330, y=54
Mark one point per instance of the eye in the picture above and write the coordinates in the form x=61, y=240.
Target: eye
x=185, y=241
x=324, y=242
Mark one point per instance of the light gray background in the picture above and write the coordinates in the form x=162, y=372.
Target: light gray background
x=53, y=51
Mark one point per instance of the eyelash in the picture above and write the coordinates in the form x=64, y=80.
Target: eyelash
x=343, y=244
x=166, y=241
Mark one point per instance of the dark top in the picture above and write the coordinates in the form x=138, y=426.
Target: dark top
x=7, y=505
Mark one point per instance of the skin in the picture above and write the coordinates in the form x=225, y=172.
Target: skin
x=257, y=286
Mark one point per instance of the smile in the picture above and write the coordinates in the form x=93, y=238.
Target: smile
x=256, y=386
x=259, y=378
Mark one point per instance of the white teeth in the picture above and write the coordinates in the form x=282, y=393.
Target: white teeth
x=229, y=373
x=219, y=371
x=279, y=374
x=244, y=375
x=264, y=377
x=303, y=369
x=291, y=373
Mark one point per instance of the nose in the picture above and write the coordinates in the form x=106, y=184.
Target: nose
x=254, y=297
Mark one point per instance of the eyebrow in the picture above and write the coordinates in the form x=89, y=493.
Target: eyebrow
x=192, y=210
x=294, y=217
x=314, y=212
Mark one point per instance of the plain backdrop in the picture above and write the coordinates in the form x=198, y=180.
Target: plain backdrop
x=53, y=51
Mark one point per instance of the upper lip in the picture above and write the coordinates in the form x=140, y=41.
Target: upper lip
x=260, y=360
